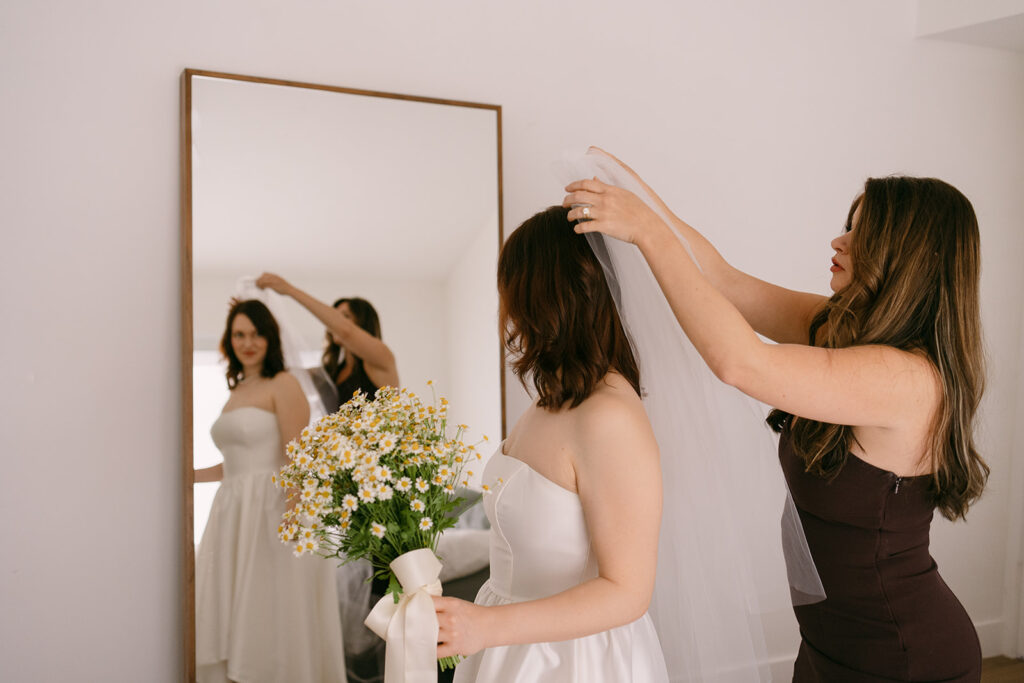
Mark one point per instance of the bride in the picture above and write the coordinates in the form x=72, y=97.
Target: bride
x=262, y=616
x=577, y=486
x=576, y=499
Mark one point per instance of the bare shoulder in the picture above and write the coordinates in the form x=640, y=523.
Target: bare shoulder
x=284, y=383
x=611, y=417
x=910, y=367
x=926, y=375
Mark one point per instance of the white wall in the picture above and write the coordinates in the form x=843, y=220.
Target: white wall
x=757, y=121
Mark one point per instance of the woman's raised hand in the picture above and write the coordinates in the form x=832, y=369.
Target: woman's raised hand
x=272, y=281
x=610, y=210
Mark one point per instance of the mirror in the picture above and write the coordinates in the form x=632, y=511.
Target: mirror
x=344, y=193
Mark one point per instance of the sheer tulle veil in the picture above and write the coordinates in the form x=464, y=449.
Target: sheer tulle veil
x=722, y=561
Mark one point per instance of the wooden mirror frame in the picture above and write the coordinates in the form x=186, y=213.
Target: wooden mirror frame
x=188, y=478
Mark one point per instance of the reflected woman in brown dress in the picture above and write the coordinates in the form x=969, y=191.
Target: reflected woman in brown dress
x=875, y=389
x=355, y=357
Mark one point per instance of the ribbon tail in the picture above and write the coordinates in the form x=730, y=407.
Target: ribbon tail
x=381, y=615
x=420, y=639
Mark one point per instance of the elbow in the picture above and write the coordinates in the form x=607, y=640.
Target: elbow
x=727, y=369
x=639, y=608
x=635, y=603
x=735, y=366
x=638, y=605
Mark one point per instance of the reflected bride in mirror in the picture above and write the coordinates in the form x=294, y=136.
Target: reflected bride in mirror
x=261, y=614
x=356, y=358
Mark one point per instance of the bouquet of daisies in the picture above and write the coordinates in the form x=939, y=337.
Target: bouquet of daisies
x=377, y=480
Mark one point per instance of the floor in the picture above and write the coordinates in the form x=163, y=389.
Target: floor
x=1002, y=670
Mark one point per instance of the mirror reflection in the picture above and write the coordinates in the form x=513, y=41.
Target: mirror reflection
x=341, y=241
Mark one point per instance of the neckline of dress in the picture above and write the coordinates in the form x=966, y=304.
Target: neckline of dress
x=501, y=452
x=902, y=477
x=857, y=458
x=235, y=410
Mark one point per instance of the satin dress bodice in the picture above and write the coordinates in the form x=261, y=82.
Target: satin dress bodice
x=249, y=440
x=540, y=546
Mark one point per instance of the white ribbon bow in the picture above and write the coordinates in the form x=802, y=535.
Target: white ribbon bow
x=410, y=625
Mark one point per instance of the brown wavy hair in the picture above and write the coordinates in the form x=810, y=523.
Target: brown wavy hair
x=556, y=314
x=266, y=326
x=365, y=315
x=916, y=263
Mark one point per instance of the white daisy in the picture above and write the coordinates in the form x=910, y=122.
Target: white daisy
x=417, y=505
x=426, y=523
x=378, y=530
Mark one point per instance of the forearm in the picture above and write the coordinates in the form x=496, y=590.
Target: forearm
x=324, y=313
x=715, y=326
x=592, y=607
x=714, y=266
x=207, y=474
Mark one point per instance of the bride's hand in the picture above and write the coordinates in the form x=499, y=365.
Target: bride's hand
x=274, y=282
x=460, y=628
x=610, y=210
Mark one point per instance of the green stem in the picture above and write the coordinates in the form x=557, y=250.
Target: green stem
x=449, y=662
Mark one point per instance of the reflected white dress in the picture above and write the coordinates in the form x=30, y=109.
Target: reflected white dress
x=262, y=615
x=540, y=547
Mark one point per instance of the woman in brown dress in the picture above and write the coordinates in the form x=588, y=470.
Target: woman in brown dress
x=875, y=390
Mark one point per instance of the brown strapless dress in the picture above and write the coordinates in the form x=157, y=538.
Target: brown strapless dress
x=888, y=615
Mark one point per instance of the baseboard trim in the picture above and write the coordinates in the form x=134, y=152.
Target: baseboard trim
x=990, y=633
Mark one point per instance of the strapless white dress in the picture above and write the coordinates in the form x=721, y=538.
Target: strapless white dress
x=540, y=547
x=262, y=614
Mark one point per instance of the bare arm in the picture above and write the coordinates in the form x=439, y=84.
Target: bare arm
x=290, y=406
x=783, y=315
x=877, y=386
x=377, y=357
x=618, y=464
x=207, y=474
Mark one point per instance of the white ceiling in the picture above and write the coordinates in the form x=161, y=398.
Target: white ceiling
x=988, y=23
x=297, y=180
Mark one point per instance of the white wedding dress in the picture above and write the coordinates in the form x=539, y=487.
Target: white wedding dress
x=540, y=547
x=262, y=615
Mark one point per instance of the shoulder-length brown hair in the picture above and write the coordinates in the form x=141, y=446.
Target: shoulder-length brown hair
x=266, y=326
x=916, y=263
x=556, y=314
x=364, y=315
